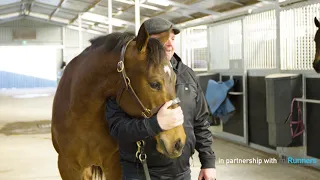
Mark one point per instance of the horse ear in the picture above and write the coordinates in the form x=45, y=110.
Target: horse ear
x=142, y=39
x=164, y=37
x=316, y=22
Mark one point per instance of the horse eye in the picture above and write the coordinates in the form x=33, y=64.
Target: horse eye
x=155, y=85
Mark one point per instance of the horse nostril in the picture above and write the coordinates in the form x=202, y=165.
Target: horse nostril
x=316, y=66
x=178, y=145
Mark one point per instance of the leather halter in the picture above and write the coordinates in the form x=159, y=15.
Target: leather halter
x=299, y=123
x=146, y=113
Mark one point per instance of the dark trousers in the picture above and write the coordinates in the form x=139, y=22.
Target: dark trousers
x=141, y=176
x=133, y=171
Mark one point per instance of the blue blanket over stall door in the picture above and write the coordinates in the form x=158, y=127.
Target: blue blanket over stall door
x=216, y=96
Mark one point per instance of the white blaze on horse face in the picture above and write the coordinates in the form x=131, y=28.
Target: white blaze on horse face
x=167, y=70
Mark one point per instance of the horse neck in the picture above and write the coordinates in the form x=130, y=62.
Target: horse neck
x=95, y=82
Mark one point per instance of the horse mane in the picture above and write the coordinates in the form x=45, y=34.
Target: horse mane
x=115, y=41
x=112, y=42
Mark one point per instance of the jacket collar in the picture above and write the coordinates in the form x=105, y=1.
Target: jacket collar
x=175, y=60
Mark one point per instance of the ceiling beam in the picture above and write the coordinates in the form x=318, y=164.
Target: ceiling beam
x=48, y=6
x=56, y=10
x=175, y=5
x=268, y=1
x=225, y=15
x=171, y=9
x=95, y=5
x=29, y=7
x=141, y=5
x=45, y=21
x=11, y=5
x=22, y=7
x=235, y=2
x=192, y=7
x=86, y=10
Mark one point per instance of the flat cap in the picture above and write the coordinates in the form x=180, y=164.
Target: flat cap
x=158, y=25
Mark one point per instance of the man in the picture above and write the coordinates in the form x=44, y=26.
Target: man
x=192, y=113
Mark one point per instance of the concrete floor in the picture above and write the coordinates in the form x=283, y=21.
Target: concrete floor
x=32, y=156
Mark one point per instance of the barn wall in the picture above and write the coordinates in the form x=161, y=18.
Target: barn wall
x=71, y=43
x=62, y=42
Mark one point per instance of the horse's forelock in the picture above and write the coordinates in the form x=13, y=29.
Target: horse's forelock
x=115, y=41
x=155, y=53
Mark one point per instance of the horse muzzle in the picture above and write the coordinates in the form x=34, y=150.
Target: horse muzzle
x=316, y=65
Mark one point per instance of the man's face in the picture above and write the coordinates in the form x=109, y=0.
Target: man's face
x=169, y=45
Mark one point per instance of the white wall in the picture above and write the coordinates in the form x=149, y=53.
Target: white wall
x=42, y=52
x=71, y=43
x=46, y=34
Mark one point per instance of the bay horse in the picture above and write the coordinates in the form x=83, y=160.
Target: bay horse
x=316, y=61
x=132, y=69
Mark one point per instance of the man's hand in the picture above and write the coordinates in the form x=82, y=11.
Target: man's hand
x=207, y=174
x=169, y=118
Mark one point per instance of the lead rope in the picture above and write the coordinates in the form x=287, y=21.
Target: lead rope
x=143, y=158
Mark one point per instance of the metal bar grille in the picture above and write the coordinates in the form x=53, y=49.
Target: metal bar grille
x=219, y=48
x=260, y=40
x=225, y=44
x=194, y=47
x=235, y=40
x=297, y=37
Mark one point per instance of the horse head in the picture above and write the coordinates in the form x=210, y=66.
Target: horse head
x=316, y=62
x=152, y=81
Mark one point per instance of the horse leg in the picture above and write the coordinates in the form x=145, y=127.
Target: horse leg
x=93, y=173
x=87, y=174
x=67, y=170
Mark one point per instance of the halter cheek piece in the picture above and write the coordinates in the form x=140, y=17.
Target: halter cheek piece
x=146, y=113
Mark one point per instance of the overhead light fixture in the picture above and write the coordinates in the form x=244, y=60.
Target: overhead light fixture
x=126, y=2
x=39, y=15
x=83, y=29
x=86, y=22
x=103, y=19
x=151, y=7
x=75, y=28
x=103, y=26
x=94, y=17
x=114, y=22
x=94, y=32
x=61, y=20
x=158, y=2
x=119, y=12
x=97, y=28
x=145, y=5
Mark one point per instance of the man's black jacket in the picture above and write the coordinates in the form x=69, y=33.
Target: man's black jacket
x=195, y=110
